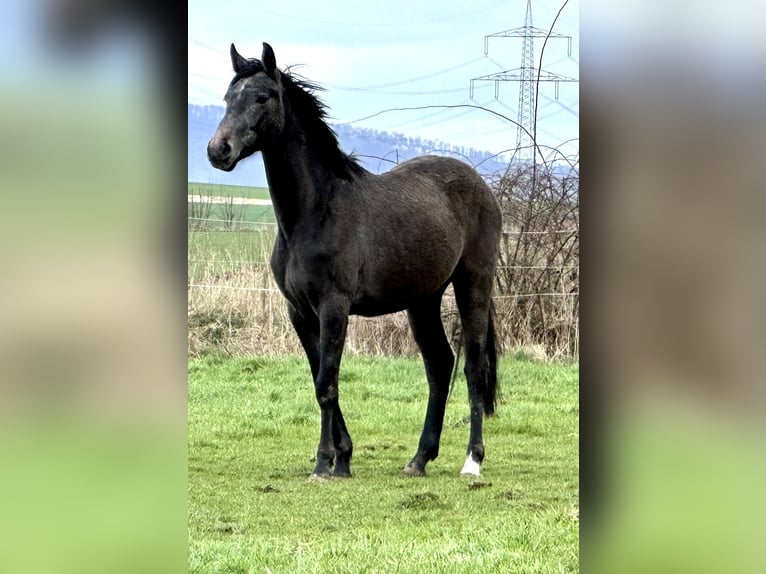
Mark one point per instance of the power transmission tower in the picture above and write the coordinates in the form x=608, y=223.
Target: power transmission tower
x=527, y=76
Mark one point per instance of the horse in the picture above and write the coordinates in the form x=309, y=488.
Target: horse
x=350, y=242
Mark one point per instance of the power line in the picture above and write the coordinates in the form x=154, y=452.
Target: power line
x=408, y=81
x=395, y=24
x=429, y=107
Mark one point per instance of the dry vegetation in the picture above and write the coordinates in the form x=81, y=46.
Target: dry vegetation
x=235, y=308
x=537, y=288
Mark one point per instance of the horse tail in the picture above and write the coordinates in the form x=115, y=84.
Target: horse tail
x=456, y=329
x=491, y=388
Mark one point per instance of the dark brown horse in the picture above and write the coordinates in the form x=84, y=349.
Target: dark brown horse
x=351, y=242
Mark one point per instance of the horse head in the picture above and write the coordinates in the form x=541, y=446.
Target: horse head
x=255, y=114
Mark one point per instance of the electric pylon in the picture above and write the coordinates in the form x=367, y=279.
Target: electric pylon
x=527, y=76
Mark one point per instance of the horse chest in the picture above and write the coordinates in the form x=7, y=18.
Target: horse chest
x=305, y=275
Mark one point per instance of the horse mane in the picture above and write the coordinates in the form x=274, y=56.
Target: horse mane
x=312, y=112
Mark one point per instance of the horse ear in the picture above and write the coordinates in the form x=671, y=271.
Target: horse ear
x=268, y=59
x=237, y=61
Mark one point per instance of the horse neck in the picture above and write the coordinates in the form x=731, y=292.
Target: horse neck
x=299, y=182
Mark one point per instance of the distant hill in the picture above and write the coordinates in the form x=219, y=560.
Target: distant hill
x=378, y=151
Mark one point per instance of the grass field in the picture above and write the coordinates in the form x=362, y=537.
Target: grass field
x=227, y=239
x=253, y=429
x=231, y=217
x=208, y=213
x=214, y=189
x=214, y=253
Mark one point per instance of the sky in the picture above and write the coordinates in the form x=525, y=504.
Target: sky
x=371, y=57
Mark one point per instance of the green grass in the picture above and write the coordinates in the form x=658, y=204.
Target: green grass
x=208, y=189
x=254, y=246
x=238, y=217
x=217, y=253
x=209, y=216
x=253, y=429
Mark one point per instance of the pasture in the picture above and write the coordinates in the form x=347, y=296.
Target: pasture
x=235, y=308
x=350, y=242
x=226, y=239
x=253, y=425
x=219, y=190
x=221, y=207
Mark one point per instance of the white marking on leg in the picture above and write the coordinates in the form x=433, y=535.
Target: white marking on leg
x=471, y=467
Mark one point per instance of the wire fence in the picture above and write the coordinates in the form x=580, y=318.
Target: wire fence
x=236, y=307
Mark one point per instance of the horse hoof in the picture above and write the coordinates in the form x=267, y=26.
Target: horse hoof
x=471, y=468
x=412, y=470
x=341, y=475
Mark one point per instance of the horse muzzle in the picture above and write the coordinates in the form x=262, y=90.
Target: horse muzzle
x=219, y=153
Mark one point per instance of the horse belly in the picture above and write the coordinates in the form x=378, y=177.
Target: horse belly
x=375, y=308
x=402, y=287
x=388, y=303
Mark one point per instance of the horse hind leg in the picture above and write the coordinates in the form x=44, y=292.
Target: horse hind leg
x=473, y=293
x=428, y=331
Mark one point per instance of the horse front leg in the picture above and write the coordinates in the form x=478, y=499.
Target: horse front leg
x=334, y=441
x=306, y=326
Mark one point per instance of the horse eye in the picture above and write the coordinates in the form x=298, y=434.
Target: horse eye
x=261, y=99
